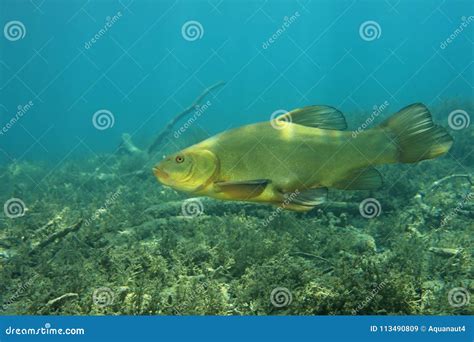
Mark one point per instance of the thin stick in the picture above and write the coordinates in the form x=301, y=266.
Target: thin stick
x=165, y=131
x=60, y=300
x=312, y=256
x=444, y=179
x=58, y=235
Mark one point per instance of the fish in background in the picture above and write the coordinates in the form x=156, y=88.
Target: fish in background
x=293, y=160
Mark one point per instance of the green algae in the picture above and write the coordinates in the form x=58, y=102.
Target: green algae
x=136, y=253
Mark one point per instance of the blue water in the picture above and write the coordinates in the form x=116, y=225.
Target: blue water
x=144, y=71
x=76, y=75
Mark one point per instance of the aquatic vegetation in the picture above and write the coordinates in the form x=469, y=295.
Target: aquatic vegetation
x=125, y=245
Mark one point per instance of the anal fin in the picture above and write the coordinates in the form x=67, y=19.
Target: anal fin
x=304, y=200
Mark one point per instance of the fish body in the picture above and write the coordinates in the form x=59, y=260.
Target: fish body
x=305, y=152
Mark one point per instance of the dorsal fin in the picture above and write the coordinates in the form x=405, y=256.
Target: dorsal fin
x=323, y=117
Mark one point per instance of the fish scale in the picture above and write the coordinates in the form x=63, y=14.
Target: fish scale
x=305, y=151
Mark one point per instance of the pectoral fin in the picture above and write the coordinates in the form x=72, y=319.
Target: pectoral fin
x=242, y=189
x=361, y=179
x=323, y=117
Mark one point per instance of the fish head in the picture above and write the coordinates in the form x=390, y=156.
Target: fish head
x=189, y=170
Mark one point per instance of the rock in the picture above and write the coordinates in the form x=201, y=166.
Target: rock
x=446, y=252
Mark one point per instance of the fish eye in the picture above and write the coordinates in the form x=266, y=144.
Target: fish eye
x=179, y=159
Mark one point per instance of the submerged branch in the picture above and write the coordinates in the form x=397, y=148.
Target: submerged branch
x=419, y=197
x=57, y=235
x=127, y=146
x=57, y=302
x=169, y=126
x=311, y=255
x=437, y=183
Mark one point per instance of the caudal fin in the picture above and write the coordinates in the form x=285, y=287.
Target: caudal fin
x=416, y=136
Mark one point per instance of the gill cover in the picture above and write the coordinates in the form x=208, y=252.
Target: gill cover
x=204, y=167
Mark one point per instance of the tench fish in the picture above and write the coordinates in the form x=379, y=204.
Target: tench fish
x=303, y=152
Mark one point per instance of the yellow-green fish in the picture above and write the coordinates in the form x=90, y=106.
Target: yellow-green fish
x=291, y=161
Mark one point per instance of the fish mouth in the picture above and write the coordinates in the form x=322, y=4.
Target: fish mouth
x=160, y=174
